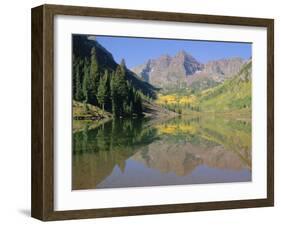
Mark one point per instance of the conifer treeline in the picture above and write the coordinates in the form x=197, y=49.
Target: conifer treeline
x=107, y=89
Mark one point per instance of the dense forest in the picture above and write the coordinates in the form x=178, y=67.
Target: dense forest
x=107, y=89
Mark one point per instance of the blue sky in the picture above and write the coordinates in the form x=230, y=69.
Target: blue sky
x=137, y=51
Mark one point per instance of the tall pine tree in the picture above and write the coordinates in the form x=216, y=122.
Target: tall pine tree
x=138, y=104
x=102, y=94
x=88, y=84
x=78, y=95
x=113, y=94
x=74, y=69
x=94, y=75
x=107, y=76
x=121, y=89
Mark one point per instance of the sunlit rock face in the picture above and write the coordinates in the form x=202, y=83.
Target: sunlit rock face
x=183, y=70
x=167, y=70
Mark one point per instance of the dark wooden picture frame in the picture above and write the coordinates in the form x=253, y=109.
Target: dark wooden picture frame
x=42, y=203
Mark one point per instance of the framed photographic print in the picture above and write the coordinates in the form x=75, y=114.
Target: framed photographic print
x=141, y=112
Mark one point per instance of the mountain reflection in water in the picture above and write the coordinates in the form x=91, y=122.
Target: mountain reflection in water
x=143, y=152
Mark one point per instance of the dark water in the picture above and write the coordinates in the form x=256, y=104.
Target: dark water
x=142, y=152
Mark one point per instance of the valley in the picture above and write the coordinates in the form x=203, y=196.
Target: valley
x=147, y=119
x=165, y=86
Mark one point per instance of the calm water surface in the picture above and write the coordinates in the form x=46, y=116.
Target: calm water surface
x=143, y=152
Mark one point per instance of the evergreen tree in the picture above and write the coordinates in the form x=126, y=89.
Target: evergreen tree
x=122, y=83
x=138, y=104
x=102, y=94
x=94, y=75
x=78, y=95
x=113, y=95
x=74, y=70
x=122, y=88
x=112, y=92
x=119, y=91
x=88, y=85
x=130, y=99
x=108, y=91
x=123, y=67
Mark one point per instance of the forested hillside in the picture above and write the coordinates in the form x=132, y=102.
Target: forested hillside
x=98, y=80
x=233, y=94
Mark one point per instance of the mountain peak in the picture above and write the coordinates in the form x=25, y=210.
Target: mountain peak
x=165, y=57
x=168, y=70
x=182, y=69
x=182, y=52
x=183, y=55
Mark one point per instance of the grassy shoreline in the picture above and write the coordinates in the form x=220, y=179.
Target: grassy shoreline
x=92, y=116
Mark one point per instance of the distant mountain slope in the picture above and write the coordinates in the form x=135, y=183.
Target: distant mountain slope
x=233, y=94
x=82, y=46
x=169, y=71
x=184, y=71
x=215, y=72
x=224, y=68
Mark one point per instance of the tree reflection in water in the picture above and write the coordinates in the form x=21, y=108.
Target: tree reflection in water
x=161, y=152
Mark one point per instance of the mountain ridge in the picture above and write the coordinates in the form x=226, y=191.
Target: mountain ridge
x=235, y=93
x=182, y=70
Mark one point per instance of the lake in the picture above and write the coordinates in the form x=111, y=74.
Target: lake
x=157, y=152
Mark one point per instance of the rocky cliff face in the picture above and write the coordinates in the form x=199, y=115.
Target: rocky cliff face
x=168, y=71
x=183, y=70
x=224, y=68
